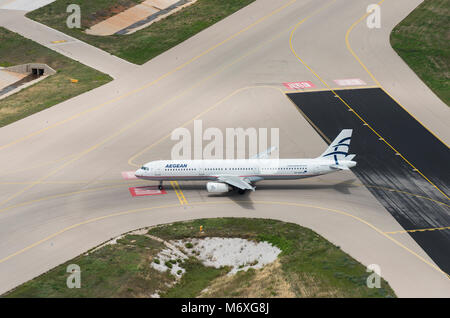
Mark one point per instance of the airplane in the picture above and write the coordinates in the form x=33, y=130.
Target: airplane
x=242, y=174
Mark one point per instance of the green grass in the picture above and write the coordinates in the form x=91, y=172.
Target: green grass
x=147, y=43
x=15, y=50
x=309, y=266
x=307, y=258
x=423, y=41
x=196, y=278
x=119, y=270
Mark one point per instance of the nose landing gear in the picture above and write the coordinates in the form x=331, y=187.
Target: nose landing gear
x=160, y=187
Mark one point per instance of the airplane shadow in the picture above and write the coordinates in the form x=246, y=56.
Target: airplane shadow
x=341, y=187
x=244, y=200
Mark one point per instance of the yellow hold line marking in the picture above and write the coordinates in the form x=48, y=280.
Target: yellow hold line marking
x=179, y=193
x=183, y=198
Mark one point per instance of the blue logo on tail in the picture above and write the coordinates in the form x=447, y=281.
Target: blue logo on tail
x=341, y=143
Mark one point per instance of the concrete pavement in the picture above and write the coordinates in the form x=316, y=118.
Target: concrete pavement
x=61, y=186
x=15, y=20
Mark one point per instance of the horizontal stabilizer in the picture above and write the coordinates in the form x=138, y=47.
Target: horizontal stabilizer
x=341, y=167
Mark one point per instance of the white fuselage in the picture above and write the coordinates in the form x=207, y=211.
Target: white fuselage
x=251, y=169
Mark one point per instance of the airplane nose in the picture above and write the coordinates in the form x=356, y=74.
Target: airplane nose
x=138, y=173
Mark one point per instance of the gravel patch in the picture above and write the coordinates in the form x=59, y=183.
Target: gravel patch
x=239, y=254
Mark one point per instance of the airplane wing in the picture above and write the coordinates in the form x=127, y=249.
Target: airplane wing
x=236, y=181
x=264, y=154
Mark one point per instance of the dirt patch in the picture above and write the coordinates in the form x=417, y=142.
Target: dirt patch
x=102, y=15
x=9, y=111
x=306, y=285
x=266, y=282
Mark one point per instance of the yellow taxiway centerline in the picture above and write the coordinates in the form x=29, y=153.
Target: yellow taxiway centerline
x=323, y=209
x=353, y=111
x=134, y=91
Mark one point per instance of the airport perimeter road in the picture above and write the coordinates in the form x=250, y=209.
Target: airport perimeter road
x=61, y=185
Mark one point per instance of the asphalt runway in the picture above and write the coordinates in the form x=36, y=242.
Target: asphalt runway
x=407, y=160
x=61, y=185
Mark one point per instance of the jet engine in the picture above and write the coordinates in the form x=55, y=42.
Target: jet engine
x=217, y=187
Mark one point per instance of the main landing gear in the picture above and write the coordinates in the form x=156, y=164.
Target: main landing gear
x=241, y=191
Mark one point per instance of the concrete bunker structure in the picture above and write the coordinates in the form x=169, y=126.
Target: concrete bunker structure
x=15, y=78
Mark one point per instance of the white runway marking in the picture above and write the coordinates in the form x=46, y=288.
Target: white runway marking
x=350, y=82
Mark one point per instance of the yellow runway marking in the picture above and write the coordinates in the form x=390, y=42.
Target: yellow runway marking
x=139, y=182
x=140, y=153
x=131, y=160
x=145, y=116
x=179, y=193
x=350, y=49
x=56, y=196
x=204, y=203
x=71, y=182
x=354, y=112
x=31, y=167
x=420, y=230
x=142, y=118
x=329, y=89
x=373, y=227
x=404, y=192
x=152, y=82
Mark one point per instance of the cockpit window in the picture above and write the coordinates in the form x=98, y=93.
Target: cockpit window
x=144, y=168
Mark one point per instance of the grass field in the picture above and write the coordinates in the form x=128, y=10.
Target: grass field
x=147, y=43
x=15, y=50
x=308, y=266
x=423, y=41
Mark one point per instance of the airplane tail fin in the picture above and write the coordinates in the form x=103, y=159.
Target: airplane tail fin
x=338, y=149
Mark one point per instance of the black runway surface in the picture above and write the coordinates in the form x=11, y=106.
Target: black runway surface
x=416, y=203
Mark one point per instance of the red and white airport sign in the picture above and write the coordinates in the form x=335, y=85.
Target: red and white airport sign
x=299, y=85
x=350, y=82
x=143, y=191
x=128, y=175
